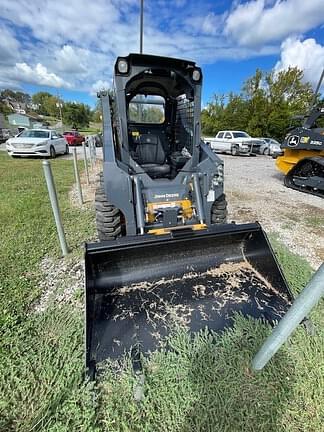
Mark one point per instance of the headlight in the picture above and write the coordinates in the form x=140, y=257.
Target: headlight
x=122, y=66
x=196, y=75
x=219, y=177
x=41, y=144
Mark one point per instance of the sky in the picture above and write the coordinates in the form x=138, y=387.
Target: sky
x=68, y=47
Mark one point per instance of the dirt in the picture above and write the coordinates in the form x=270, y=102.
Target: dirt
x=255, y=192
x=88, y=189
x=62, y=283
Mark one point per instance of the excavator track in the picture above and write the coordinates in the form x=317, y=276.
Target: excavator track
x=307, y=176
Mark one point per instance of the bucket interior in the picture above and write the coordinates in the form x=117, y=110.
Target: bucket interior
x=137, y=290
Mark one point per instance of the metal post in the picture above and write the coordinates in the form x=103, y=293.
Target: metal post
x=301, y=307
x=199, y=202
x=85, y=162
x=141, y=26
x=55, y=206
x=90, y=150
x=93, y=150
x=76, y=173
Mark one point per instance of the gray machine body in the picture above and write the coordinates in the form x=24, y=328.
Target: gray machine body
x=126, y=184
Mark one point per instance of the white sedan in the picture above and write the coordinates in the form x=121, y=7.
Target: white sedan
x=37, y=142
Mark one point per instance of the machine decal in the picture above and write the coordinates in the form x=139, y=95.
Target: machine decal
x=293, y=141
x=166, y=196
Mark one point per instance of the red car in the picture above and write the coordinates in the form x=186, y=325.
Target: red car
x=73, y=138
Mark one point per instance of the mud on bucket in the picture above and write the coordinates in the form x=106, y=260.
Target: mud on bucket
x=136, y=288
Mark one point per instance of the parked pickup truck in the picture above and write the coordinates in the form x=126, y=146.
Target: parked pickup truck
x=234, y=142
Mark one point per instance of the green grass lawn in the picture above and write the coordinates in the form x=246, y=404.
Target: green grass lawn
x=202, y=384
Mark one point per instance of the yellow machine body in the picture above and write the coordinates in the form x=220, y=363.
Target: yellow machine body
x=152, y=208
x=291, y=157
x=161, y=231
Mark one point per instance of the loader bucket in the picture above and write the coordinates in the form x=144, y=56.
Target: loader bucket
x=138, y=288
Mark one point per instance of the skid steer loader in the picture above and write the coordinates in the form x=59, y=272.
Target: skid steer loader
x=167, y=256
x=303, y=158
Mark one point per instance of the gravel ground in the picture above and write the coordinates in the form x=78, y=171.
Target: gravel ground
x=63, y=280
x=255, y=192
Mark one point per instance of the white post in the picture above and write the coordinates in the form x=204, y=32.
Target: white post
x=85, y=162
x=55, y=206
x=76, y=173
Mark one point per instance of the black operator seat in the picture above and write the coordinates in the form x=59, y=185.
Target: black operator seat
x=151, y=156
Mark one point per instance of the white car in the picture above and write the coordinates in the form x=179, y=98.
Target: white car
x=234, y=142
x=37, y=142
x=271, y=147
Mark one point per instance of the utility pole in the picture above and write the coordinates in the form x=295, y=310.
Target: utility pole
x=141, y=26
x=59, y=105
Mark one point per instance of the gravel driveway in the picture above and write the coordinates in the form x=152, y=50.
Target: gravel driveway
x=255, y=192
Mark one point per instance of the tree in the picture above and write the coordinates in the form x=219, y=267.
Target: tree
x=46, y=103
x=78, y=115
x=13, y=96
x=264, y=108
x=5, y=109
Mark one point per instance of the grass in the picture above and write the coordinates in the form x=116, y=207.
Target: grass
x=316, y=221
x=203, y=384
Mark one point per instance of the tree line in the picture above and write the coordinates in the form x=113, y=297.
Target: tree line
x=45, y=104
x=266, y=106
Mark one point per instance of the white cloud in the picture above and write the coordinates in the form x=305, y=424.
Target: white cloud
x=71, y=60
x=307, y=55
x=100, y=85
x=38, y=75
x=9, y=47
x=60, y=21
x=209, y=24
x=255, y=23
x=74, y=44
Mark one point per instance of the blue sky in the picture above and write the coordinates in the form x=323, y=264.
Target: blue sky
x=70, y=47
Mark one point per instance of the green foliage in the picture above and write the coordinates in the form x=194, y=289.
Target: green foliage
x=77, y=115
x=200, y=383
x=46, y=103
x=30, y=233
x=264, y=107
x=5, y=109
x=16, y=96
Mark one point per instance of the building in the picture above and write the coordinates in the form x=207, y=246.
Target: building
x=20, y=120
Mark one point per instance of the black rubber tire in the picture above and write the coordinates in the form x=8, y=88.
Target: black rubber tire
x=235, y=150
x=219, y=211
x=52, y=152
x=108, y=217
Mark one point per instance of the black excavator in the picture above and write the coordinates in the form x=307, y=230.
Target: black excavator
x=303, y=158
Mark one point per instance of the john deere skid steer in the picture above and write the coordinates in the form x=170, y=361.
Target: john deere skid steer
x=166, y=255
x=303, y=158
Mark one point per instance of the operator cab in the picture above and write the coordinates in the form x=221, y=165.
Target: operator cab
x=160, y=107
